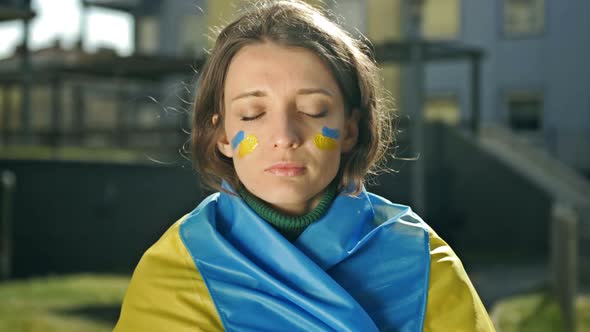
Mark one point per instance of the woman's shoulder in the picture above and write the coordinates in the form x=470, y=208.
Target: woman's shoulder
x=167, y=290
x=169, y=249
x=453, y=302
x=387, y=211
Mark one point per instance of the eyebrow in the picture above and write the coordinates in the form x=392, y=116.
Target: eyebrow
x=255, y=93
x=306, y=91
x=311, y=91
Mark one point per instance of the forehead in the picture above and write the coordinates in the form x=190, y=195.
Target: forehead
x=277, y=69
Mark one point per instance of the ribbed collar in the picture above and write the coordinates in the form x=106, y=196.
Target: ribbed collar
x=289, y=226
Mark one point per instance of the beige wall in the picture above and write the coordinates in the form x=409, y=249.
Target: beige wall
x=40, y=107
x=441, y=19
x=13, y=93
x=383, y=20
x=443, y=109
x=384, y=23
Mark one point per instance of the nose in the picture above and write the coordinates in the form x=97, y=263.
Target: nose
x=285, y=132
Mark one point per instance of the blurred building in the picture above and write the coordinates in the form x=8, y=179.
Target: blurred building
x=532, y=82
x=172, y=28
x=96, y=99
x=535, y=77
x=103, y=99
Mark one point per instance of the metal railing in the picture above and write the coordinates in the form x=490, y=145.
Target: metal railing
x=7, y=186
x=564, y=261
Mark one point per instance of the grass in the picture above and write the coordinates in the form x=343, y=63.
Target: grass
x=537, y=312
x=66, y=304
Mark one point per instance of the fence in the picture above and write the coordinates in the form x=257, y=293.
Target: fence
x=564, y=261
x=7, y=184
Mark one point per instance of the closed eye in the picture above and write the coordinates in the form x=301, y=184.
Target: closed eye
x=317, y=115
x=251, y=118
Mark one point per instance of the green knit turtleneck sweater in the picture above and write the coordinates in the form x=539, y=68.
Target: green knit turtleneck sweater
x=289, y=226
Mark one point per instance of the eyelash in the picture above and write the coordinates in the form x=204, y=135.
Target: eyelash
x=251, y=118
x=315, y=116
x=322, y=114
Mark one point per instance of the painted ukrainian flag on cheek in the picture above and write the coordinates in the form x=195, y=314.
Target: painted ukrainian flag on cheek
x=244, y=144
x=327, y=140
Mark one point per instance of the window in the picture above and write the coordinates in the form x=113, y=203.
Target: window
x=441, y=19
x=523, y=17
x=40, y=106
x=101, y=108
x=391, y=73
x=383, y=20
x=149, y=35
x=524, y=111
x=444, y=109
x=10, y=102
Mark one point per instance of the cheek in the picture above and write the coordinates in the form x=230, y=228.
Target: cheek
x=328, y=139
x=237, y=139
x=247, y=146
x=329, y=164
x=244, y=144
x=245, y=168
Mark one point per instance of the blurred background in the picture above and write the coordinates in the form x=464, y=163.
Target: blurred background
x=492, y=150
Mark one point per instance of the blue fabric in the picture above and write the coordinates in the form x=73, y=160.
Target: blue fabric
x=364, y=266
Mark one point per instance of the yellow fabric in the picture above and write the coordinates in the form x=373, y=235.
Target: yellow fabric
x=453, y=303
x=167, y=292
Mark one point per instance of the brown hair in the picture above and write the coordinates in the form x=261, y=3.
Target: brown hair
x=296, y=24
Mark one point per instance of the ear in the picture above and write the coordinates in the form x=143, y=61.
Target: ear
x=223, y=144
x=351, y=131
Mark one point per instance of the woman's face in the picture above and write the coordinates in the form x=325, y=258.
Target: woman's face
x=285, y=125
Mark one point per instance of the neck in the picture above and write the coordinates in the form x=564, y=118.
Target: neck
x=299, y=209
x=291, y=226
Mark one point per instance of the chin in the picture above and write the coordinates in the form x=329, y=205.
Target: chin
x=287, y=195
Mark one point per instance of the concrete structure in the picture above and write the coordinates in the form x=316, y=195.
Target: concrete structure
x=535, y=77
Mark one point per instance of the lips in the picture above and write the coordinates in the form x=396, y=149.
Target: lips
x=286, y=169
